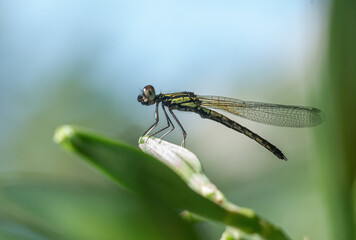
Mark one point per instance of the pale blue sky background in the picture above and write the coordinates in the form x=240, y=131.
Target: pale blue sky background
x=203, y=46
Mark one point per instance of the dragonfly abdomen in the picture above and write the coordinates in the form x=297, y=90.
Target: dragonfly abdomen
x=210, y=114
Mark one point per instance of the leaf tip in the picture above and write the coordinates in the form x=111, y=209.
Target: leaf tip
x=63, y=133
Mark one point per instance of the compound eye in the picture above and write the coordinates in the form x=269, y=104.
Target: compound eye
x=149, y=92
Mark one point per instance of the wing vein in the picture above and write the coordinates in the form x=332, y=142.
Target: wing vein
x=266, y=113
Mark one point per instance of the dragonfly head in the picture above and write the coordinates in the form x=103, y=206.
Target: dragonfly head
x=148, y=96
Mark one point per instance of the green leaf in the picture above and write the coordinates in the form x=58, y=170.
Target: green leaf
x=174, y=178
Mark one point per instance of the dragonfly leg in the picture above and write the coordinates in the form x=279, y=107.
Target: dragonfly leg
x=180, y=125
x=153, y=125
x=169, y=122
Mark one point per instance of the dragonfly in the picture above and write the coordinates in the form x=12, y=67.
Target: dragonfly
x=266, y=113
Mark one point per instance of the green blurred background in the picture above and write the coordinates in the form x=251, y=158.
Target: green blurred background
x=84, y=63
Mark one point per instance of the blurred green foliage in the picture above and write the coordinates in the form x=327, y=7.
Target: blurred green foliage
x=58, y=209
x=337, y=154
x=87, y=212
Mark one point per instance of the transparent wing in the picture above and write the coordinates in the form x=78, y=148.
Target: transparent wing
x=267, y=113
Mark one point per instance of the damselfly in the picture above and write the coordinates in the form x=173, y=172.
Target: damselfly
x=266, y=113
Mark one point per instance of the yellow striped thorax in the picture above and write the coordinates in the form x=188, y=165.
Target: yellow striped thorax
x=184, y=99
